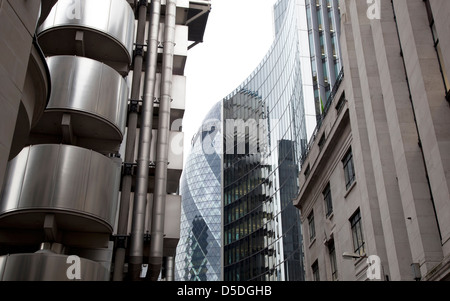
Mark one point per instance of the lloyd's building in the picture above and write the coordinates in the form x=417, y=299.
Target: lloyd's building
x=92, y=96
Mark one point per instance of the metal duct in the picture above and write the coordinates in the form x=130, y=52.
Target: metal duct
x=145, y=138
x=170, y=268
x=131, y=138
x=157, y=230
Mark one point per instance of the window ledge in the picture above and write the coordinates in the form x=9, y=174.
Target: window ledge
x=330, y=216
x=312, y=242
x=359, y=260
x=350, y=189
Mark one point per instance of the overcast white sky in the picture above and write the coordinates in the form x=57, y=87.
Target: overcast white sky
x=238, y=35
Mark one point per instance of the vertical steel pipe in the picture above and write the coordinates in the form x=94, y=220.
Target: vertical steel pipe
x=162, y=148
x=170, y=268
x=130, y=142
x=145, y=138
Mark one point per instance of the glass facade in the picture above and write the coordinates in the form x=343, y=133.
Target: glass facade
x=251, y=179
x=323, y=18
x=262, y=233
x=198, y=256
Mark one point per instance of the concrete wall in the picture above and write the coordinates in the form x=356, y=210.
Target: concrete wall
x=18, y=19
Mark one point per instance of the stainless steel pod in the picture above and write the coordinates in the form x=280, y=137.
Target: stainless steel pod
x=94, y=95
x=47, y=266
x=102, y=30
x=46, y=6
x=79, y=187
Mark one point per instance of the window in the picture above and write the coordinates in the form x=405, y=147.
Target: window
x=328, y=201
x=357, y=235
x=307, y=171
x=322, y=141
x=341, y=103
x=315, y=271
x=349, y=169
x=312, y=228
x=332, y=254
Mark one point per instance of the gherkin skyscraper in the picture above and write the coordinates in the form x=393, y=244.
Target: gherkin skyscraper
x=199, y=250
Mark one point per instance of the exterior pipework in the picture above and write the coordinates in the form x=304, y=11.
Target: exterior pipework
x=145, y=138
x=170, y=268
x=130, y=142
x=157, y=230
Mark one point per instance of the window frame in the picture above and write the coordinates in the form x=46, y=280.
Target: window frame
x=311, y=226
x=349, y=169
x=333, y=260
x=328, y=199
x=315, y=271
x=357, y=233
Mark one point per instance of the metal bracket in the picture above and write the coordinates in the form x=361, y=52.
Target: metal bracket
x=127, y=169
x=134, y=105
x=139, y=50
x=120, y=241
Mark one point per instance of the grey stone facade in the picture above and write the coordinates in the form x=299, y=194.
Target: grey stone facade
x=395, y=120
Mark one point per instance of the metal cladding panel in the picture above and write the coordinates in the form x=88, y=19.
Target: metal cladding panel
x=178, y=91
x=172, y=216
x=88, y=87
x=181, y=39
x=47, y=266
x=102, y=18
x=62, y=179
x=180, y=47
x=176, y=142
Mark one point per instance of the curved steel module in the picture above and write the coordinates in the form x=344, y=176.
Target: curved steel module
x=80, y=187
x=100, y=29
x=93, y=93
x=49, y=267
x=46, y=6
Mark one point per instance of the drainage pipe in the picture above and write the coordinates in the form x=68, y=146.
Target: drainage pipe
x=145, y=137
x=162, y=146
x=130, y=142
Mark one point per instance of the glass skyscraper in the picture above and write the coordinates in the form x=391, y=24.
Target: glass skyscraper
x=199, y=250
x=262, y=235
x=263, y=135
x=324, y=28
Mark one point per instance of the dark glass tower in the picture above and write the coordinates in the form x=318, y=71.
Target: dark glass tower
x=262, y=234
